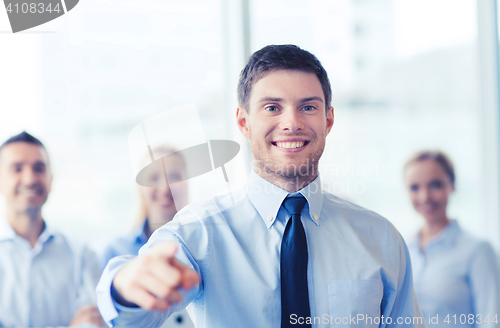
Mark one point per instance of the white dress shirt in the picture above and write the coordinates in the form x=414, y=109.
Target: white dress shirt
x=457, y=279
x=44, y=286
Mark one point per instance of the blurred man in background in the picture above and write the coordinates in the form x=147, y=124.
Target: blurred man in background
x=46, y=278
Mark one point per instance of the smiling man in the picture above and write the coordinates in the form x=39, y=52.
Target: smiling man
x=46, y=279
x=285, y=253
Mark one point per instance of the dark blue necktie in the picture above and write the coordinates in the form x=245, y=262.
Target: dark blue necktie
x=294, y=292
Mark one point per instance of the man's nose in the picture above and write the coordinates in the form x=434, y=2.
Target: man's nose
x=28, y=177
x=291, y=120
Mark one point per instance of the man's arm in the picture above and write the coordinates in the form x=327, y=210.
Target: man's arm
x=400, y=305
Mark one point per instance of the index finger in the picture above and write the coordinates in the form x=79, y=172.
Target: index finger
x=189, y=277
x=165, y=250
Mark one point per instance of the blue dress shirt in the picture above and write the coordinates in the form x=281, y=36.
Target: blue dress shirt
x=358, y=270
x=44, y=286
x=457, y=274
x=130, y=243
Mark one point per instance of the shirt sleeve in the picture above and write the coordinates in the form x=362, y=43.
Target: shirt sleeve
x=485, y=285
x=400, y=307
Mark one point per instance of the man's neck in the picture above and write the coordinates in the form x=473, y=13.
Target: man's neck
x=290, y=184
x=27, y=225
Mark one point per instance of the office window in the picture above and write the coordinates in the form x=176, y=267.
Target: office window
x=405, y=77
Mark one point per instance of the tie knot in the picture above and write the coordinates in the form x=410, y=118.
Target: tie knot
x=294, y=205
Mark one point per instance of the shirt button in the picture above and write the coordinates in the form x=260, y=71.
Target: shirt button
x=316, y=217
x=270, y=217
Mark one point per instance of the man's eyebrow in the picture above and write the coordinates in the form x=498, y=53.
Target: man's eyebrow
x=266, y=99
x=303, y=100
x=22, y=163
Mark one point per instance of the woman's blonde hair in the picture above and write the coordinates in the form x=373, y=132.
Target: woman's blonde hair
x=436, y=155
x=164, y=150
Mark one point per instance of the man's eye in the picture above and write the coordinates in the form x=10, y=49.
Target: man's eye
x=39, y=168
x=413, y=188
x=272, y=108
x=308, y=108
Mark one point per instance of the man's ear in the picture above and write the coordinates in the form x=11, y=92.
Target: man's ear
x=329, y=119
x=242, y=120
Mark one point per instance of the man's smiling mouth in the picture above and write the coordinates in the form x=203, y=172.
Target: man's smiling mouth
x=290, y=144
x=37, y=191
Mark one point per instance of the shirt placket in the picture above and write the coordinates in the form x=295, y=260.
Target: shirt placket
x=419, y=275
x=35, y=316
x=25, y=277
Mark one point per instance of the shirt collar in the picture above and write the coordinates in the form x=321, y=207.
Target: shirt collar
x=447, y=235
x=267, y=198
x=140, y=233
x=46, y=234
x=8, y=233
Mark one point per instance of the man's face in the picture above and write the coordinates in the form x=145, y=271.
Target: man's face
x=25, y=177
x=286, y=123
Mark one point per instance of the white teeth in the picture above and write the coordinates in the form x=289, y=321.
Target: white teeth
x=295, y=144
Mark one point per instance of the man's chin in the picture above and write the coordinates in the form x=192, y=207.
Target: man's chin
x=292, y=170
x=29, y=210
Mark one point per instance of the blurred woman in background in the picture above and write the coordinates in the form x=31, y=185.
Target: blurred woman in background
x=157, y=205
x=456, y=275
x=167, y=182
